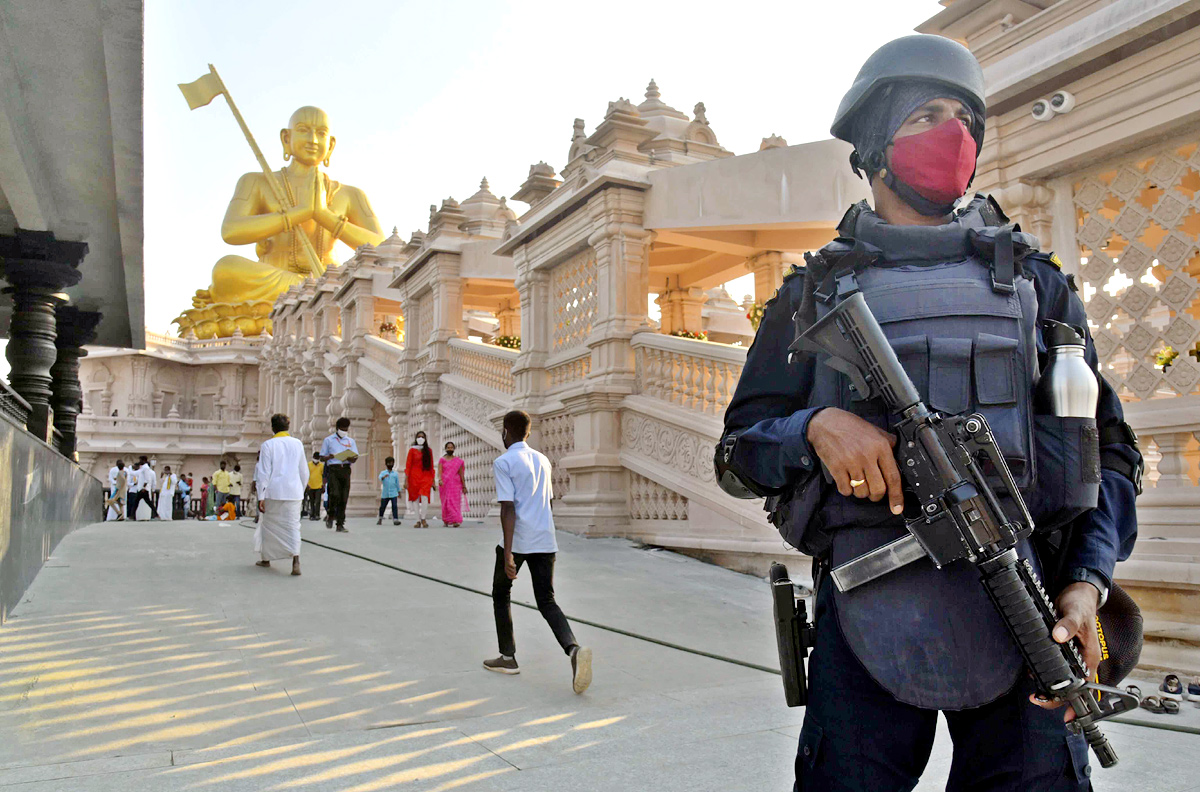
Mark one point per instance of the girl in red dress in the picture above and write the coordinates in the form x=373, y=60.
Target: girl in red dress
x=418, y=477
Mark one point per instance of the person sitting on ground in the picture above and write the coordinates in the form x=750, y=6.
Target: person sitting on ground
x=227, y=512
x=389, y=491
x=418, y=477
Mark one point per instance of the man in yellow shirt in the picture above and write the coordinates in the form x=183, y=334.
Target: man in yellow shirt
x=316, y=484
x=220, y=480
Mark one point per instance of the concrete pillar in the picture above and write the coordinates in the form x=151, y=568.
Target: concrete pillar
x=74, y=328
x=767, y=268
x=681, y=307
x=37, y=267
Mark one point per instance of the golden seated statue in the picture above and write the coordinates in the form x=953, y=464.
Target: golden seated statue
x=293, y=237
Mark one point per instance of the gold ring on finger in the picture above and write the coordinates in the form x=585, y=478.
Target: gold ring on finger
x=857, y=482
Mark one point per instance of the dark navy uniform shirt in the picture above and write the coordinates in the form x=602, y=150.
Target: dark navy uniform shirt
x=769, y=413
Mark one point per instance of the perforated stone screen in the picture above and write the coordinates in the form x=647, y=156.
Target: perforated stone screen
x=558, y=440
x=573, y=287
x=477, y=457
x=649, y=500
x=1138, y=231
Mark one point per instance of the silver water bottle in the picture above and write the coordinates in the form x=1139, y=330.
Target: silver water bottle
x=1068, y=387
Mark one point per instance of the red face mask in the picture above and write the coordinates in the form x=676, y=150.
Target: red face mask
x=937, y=164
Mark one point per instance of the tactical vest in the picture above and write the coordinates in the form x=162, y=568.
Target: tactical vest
x=962, y=319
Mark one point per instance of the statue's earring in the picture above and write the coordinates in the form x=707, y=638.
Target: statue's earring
x=327, y=156
x=287, y=155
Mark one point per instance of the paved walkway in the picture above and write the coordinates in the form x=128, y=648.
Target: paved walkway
x=157, y=657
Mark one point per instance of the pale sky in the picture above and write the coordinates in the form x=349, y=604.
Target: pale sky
x=426, y=98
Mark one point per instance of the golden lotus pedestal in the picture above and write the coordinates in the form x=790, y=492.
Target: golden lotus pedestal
x=222, y=320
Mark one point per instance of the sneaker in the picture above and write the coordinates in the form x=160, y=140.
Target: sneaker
x=342, y=529
x=379, y=521
x=502, y=665
x=395, y=522
x=328, y=523
x=581, y=668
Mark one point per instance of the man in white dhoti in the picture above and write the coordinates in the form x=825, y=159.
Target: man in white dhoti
x=166, y=494
x=279, y=478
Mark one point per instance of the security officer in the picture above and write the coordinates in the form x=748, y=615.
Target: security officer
x=961, y=297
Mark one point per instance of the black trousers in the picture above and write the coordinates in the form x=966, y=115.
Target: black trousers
x=856, y=736
x=312, y=503
x=339, y=492
x=135, y=499
x=541, y=570
x=383, y=502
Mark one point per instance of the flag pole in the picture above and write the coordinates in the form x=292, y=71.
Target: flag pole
x=314, y=261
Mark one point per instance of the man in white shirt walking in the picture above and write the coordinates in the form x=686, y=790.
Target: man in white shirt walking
x=524, y=492
x=279, y=479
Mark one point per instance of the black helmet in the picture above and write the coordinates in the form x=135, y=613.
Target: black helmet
x=918, y=57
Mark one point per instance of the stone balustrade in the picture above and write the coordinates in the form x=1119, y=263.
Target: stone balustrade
x=485, y=364
x=1169, y=434
x=384, y=352
x=98, y=425
x=696, y=375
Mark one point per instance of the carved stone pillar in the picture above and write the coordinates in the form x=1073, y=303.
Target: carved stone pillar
x=74, y=328
x=510, y=318
x=37, y=267
x=529, y=370
x=319, y=424
x=768, y=268
x=681, y=307
x=598, y=500
x=358, y=406
x=1029, y=204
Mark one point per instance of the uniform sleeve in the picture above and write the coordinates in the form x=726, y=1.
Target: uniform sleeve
x=505, y=491
x=767, y=411
x=325, y=447
x=1107, y=534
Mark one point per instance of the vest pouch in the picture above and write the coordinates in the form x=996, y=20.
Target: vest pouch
x=950, y=375
x=999, y=384
x=1068, y=470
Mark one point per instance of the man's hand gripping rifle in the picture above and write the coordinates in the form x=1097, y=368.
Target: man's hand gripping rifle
x=941, y=458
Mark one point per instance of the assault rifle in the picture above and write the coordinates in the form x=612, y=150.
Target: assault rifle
x=941, y=459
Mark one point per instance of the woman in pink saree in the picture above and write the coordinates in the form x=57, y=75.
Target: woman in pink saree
x=452, y=486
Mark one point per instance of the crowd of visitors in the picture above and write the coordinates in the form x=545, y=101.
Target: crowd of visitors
x=287, y=486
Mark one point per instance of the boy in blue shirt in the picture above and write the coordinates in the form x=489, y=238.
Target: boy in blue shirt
x=389, y=490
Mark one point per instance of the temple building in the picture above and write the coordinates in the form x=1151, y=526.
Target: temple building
x=597, y=306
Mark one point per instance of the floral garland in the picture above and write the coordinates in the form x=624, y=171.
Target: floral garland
x=508, y=342
x=388, y=328
x=1165, y=357
x=701, y=336
x=755, y=315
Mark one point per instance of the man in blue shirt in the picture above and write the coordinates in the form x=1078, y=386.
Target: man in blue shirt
x=389, y=491
x=337, y=471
